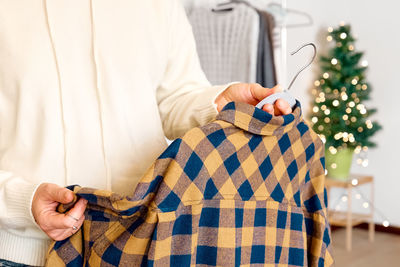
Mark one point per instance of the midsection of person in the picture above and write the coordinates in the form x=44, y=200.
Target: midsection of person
x=78, y=103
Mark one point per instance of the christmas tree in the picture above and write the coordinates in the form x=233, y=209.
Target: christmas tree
x=339, y=114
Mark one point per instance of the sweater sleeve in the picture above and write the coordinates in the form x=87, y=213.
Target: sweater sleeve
x=15, y=201
x=185, y=96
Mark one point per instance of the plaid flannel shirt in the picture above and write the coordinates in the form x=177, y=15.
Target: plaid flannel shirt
x=246, y=189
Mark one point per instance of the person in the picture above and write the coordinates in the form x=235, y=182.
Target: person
x=88, y=90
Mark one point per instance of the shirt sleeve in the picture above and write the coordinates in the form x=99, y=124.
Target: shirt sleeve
x=15, y=201
x=185, y=97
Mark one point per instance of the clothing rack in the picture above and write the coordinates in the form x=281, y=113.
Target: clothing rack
x=281, y=59
x=283, y=72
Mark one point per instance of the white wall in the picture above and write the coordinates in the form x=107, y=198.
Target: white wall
x=377, y=26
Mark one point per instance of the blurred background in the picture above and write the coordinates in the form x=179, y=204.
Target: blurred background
x=242, y=30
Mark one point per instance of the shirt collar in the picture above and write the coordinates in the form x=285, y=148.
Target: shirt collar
x=257, y=121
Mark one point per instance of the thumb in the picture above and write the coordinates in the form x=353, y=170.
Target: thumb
x=60, y=194
x=259, y=92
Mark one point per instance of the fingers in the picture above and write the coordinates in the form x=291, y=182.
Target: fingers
x=259, y=93
x=61, y=234
x=77, y=225
x=76, y=213
x=282, y=107
x=269, y=108
x=59, y=226
x=59, y=194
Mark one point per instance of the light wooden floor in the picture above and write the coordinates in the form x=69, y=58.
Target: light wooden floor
x=384, y=252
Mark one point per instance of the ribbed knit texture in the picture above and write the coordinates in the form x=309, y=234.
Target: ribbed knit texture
x=227, y=43
x=33, y=249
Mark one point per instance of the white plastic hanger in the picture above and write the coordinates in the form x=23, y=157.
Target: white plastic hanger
x=285, y=95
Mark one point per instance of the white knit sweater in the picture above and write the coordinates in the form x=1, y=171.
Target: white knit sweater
x=87, y=90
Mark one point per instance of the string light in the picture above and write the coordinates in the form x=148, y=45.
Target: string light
x=334, y=61
x=333, y=150
x=352, y=104
x=354, y=182
x=353, y=119
x=361, y=108
x=343, y=198
x=317, y=83
x=327, y=120
x=351, y=47
x=365, y=163
x=320, y=128
x=314, y=119
x=329, y=38
x=345, y=117
x=364, y=63
x=348, y=110
x=344, y=96
x=315, y=109
x=342, y=23
x=330, y=29
x=325, y=75
x=335, y=103
x=343, y=35
x=327, y=111
x=364, y=87
x=354, y=81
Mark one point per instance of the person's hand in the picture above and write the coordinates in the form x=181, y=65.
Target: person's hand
x=253, y=93
x=56, y=225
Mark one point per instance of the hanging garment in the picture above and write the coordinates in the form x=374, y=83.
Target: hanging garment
x=227, y=43
x=245, y=189
x=266, y=75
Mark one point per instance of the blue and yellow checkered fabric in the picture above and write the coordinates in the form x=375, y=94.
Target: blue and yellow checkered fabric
x=245, y=190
